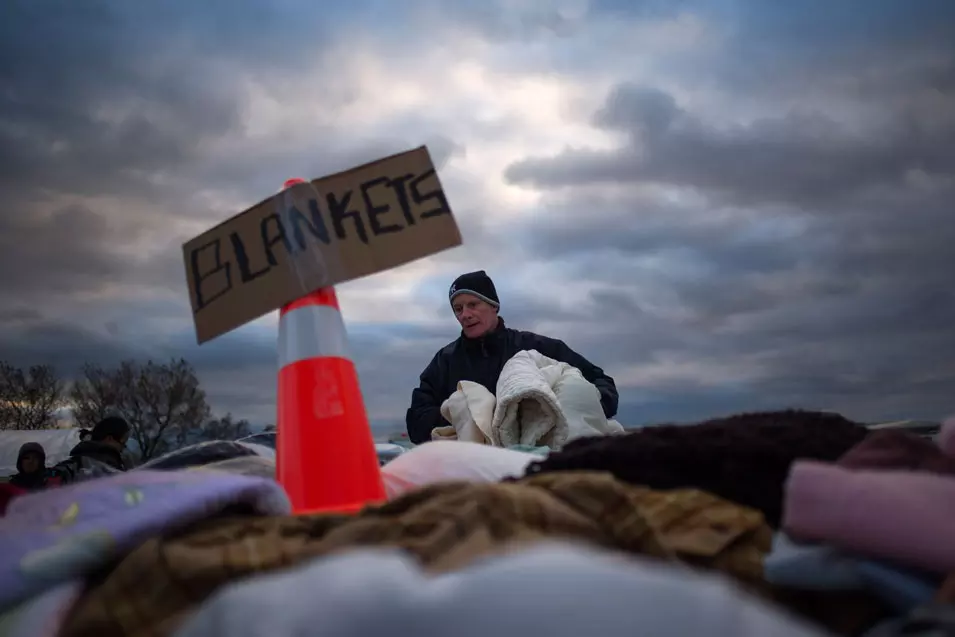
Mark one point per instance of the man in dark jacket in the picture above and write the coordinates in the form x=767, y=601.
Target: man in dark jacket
x=479, y=354
x=100, y=455
x=32, y=473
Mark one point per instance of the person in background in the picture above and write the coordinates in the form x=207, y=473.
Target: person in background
x=479, y=354
x=100, y=455
x=32, y=473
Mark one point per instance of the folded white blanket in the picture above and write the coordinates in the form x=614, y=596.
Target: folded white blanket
x=470, y=410
x=540, y=402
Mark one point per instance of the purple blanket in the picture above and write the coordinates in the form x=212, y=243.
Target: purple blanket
x=57, y=535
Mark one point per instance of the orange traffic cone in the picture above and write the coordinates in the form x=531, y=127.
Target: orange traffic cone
x=325, y=454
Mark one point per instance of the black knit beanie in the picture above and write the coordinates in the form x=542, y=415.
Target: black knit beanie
x=111, y=426
x=477, y=283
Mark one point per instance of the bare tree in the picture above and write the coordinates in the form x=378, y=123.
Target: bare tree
x=161, y=402
x=29, y=399
x=224, y=428
x=98, y=393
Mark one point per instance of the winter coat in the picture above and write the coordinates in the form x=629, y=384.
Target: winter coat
x=89, y=459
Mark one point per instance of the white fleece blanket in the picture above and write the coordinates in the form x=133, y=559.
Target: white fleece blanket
x=469, y=410
x=540, y=402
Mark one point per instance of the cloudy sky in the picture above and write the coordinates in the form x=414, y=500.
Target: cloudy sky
x=729, y=205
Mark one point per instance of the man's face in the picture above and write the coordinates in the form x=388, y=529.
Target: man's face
x=30, y=463
x=476, y=317
x=118, y=445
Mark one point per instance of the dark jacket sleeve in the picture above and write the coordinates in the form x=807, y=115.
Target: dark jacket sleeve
x=425, y=411
x=65, y=472
x=558, y=350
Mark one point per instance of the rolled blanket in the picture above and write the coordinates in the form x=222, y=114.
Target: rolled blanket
x=544, y=402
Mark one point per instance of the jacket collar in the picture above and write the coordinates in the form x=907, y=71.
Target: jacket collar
x=487, y=340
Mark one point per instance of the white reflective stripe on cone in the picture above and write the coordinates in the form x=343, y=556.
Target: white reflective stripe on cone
x=311, y=331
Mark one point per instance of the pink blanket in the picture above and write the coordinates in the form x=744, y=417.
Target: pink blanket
x=946, y=437
x=900, y=516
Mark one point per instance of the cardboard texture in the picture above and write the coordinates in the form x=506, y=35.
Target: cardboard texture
x=335, y=229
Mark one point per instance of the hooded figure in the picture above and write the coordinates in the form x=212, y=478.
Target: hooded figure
x=31, y=467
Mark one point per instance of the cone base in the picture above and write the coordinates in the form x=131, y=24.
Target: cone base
x=325, y=453
x=352, y=509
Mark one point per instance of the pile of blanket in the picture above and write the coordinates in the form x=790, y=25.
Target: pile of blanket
x=539, y=402
x=790, y=524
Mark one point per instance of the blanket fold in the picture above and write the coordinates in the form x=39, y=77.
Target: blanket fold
x=470, y=410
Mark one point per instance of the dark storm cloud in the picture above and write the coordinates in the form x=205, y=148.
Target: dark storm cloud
x=501, y=21
x=73, y=242
x=861, y=46
x=498, y=21
x=807, y=254
x=797, y=259
x=97, y=99
x=49, y=249
x=773, y=48
x=101, y=98
x=255, y=176
x=59, y=343
x=92, y=97
x=799, y=159
x=126, y=102
x=851, y=310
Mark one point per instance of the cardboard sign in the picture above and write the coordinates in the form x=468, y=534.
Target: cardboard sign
x=341, y=227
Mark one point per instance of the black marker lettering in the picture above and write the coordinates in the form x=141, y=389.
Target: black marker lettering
x=316, y=227
x=400, y=186
x=376, y=211
x=242, y=259
x=268, y=242
x=442, y=208
x=339, y=211
x=198, y=277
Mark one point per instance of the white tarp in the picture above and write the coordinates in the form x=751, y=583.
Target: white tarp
x=56, y=442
